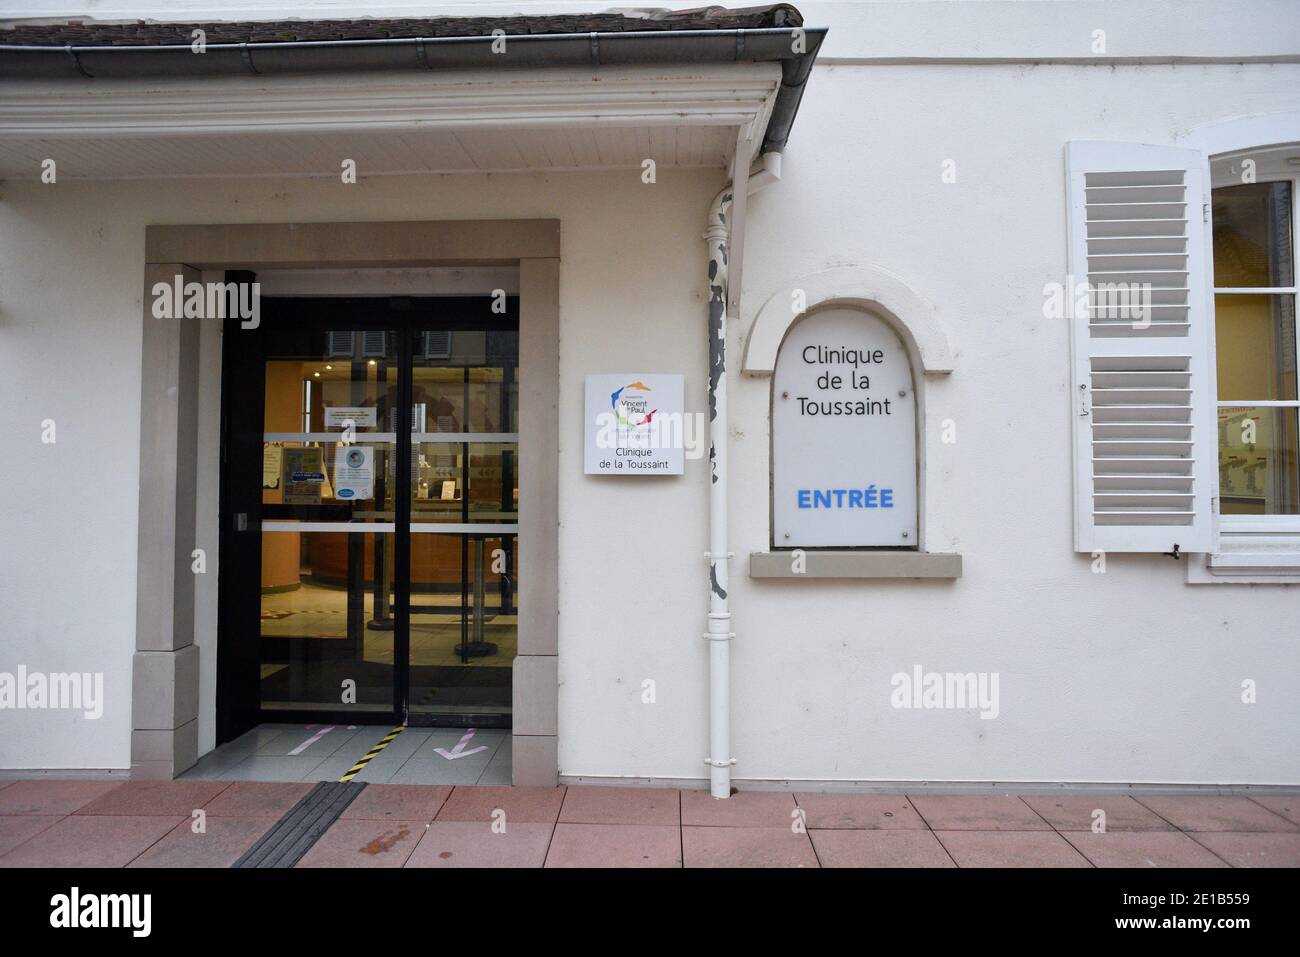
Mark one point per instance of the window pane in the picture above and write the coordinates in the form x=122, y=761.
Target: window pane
x=327, y=619
x=466, y=381
x=1252, y=235
x=1255, y=342
x=1258, y=470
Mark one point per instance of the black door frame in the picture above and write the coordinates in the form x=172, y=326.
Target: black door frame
x=239, y=569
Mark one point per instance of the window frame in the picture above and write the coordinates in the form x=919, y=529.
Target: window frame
x=1221, y=178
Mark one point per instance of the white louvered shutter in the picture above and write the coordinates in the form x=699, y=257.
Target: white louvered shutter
x=1143, y=387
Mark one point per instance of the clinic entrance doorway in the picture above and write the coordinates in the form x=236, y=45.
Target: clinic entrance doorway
x=370, y=512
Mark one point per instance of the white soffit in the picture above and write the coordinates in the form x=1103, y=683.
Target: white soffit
x=462, y=122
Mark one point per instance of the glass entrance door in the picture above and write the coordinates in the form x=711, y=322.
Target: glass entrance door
x=326, y=615
x=387, y=519
x=464, y=522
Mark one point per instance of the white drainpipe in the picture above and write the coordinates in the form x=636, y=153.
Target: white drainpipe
x=719, y=632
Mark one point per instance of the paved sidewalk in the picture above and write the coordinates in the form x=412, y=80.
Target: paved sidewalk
x=66, y=823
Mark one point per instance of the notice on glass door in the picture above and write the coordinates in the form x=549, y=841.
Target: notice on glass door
x=303, y=473
x=272, y=462
x=354, y=472
x=361, y=417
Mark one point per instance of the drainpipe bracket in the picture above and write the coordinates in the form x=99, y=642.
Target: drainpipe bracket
x=719, y=636
x=720, y=764
x=712, y=555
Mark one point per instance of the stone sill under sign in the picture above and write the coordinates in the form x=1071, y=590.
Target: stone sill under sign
x=857, y=564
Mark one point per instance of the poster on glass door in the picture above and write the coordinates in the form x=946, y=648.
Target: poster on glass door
x=354, y=472
x=304, y=476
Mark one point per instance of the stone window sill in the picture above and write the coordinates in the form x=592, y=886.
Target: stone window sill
x=856, y=564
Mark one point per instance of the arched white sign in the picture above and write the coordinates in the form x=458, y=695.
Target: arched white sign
x=844, y=467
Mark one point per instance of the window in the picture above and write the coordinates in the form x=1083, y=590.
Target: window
x=1256, y=353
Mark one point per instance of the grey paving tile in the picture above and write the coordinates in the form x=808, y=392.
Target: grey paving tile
x=212, y=765
x=272, y=768
x=448, y=738
x=324, y=745
x=436, y=769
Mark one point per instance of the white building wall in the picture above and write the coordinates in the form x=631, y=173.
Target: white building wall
x=1128, y=676
x=71, y=267
x=1131, y=676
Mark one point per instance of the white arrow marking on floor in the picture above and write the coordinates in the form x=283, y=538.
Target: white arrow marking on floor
x=313, y=739
x=459, y=750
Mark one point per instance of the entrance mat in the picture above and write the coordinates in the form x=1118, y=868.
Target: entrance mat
x=293, y=835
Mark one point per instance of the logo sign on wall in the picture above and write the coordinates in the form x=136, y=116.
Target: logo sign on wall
x=843, y=435
x=633, y=424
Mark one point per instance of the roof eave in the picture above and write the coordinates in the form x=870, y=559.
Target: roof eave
x=794, y=47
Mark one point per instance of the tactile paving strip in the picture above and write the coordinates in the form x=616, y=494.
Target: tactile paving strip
x=294, y=834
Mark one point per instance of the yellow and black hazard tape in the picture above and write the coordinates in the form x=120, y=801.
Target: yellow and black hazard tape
x=370, y=755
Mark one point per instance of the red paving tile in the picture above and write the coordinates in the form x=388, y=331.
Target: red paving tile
x=1196, y=813
x=522, y=805
x=1076, y=812
x=746, y=847
x=156, y=798
x=601, y=805
x=365, y=844
x=62, y=822
x=52, y=796
x=615, y=845
x=743, y=809
x=397, y=802
x=859, y=811
x=257, y=799
x=85, y=841
x=475, y=844
x=894, y=847
x=1253, y=850
x=977, y=812
x=1010, y=849
x=224, y=841
x=1142, y=849
x=16, y=828
x=1288, y=807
